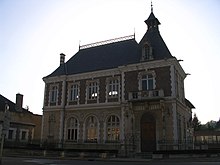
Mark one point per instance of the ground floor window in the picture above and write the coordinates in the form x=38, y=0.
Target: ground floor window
x=23, y=135
x=72, y=129
x=11, y=134
x=91, y=129
x=113, y=131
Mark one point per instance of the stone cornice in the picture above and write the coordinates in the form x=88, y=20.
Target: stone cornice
x=111, y=72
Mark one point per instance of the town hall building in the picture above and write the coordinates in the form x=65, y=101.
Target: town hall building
x=118, y=95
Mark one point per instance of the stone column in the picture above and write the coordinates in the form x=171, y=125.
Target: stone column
x=62, y=114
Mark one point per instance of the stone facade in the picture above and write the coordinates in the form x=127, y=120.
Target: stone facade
x=132, y=108
x=170, y=113
x=24, y=126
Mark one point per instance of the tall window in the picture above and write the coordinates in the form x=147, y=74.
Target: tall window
x=113, y=90
x=147, y=52
x=1, y=129
x=177, y=85
x=53, y=94
x=113, y=131
x=23, y=135
x=92, y=90
x=91, y=129
x=51, y=125
x=147, y=82
x=74, y=92
x=179, y=126
x=72, y=129
x=11, y=134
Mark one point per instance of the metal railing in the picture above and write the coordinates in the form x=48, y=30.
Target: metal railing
x=142, y=95
x=175, y=144
x=106, y=42
x=109, y=145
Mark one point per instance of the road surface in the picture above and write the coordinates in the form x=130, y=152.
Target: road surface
x=39, y=161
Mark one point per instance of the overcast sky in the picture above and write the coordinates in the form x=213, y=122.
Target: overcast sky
x=34, y=32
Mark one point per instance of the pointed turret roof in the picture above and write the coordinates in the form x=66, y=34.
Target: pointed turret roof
x=153, y=38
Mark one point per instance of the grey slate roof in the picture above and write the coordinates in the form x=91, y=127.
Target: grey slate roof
x=101, y=57
x=152, y=18
x=12, y=105
x=115, y=54
x=154, y=39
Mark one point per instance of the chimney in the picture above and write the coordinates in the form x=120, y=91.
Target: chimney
x=19, y=102
x=62, y=58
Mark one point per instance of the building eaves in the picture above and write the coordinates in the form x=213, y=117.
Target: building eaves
x=12, y=105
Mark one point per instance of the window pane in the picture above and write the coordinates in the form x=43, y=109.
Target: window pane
x=93, y=90
x=147, y=82
x=144, y=85
x=113, y=128
x=91, y=126
x=72, y=125
x=150, y=84
x=23, y=135
x=113, y=88
x=53, y=93
x=10, y=134
x=74, y=92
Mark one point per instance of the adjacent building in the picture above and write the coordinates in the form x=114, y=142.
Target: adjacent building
x=24, y=127
x=119, y=95
x=207, y=139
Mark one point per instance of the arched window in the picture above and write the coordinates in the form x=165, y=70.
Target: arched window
x=113, y=128
x=91, y=129
x=147, y=52
x=72, y=129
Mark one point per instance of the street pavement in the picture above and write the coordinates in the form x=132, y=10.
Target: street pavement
x=41, y=161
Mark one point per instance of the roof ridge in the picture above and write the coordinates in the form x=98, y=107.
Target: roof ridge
x=105, y=42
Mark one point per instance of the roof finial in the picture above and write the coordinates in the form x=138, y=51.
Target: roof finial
x=151, y=7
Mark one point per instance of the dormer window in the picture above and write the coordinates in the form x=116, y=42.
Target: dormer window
x=147, y=52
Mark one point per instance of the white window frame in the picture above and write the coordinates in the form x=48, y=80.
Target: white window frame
x=113, y=128
x=92, y=90
x=74, y=91
x=26, y=135
x=147, y=52
x=113, y=88
x=147, y=79
x=13, y=134
x=91, y=129
x=53, y=94
x=73, y=128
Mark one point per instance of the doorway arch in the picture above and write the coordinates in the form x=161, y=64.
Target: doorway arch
x=148, y=133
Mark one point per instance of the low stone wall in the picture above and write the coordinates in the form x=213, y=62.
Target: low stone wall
x=186, y=154
x=57, y=153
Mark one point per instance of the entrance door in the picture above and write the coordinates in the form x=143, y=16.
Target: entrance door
x=148, y=133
